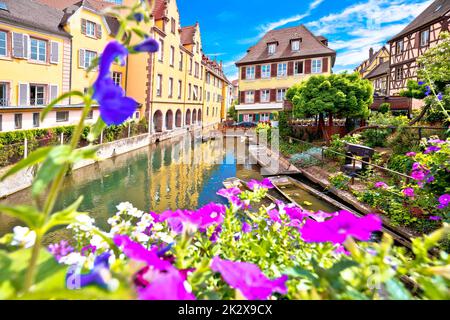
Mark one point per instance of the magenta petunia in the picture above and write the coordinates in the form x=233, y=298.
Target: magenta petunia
x=274, y=215
x=411, y=154
x=435, y=218
x=418, y=175
x=264, y=184
x=321, y=216
x=444, y=201
x=381, y=185
x=248, y=279
x=337, y=229
x=409, y=192
x=246, y=228
x=295, y=213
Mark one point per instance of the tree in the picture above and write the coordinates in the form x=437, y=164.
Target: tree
x=343, y=95
x=232, y=113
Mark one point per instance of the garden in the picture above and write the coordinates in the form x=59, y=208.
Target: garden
x=239, y=250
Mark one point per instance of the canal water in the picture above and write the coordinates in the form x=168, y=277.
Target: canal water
x=178, y=173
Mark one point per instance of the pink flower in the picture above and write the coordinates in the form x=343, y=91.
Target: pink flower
x=264, y=184
x=411, y=154
x=248, y=279
x=321, y=216
x=337, y=229
x=444, y=201
x=409, y=192
x=295, y=213
x=274, y=215
x=381, y=185
x=418, y=175
x=246, y=228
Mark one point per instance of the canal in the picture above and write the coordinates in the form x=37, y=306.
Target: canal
x=177, y=173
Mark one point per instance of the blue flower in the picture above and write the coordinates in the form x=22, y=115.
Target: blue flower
x=100, y=275
x=439, y=96
x=148, y=45
x=427, y=93
x=115, y=107
x=421, y=83
x=138, y=16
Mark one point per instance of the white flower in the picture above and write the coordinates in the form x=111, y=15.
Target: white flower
x=83, y=222
x=142, y=226
x=124, y=206
x=141, y=237
x=99, y=242
x=158, y=227
x=72, y=259
x=113, y=220
x=146, y=218
x=165, y=237
x=23, y=237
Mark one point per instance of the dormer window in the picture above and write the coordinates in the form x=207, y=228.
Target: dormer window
x=271, y=47
x=295, y=45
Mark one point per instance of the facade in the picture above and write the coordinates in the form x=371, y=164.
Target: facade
x=279, y=60
x=375, y=59
x=60, y=38
x=413, y=41
x=376, y=69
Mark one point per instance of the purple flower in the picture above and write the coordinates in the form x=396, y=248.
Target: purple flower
x=274, y=215
x=418, y=175
x=215, y=235
x=411, y=154
x=248, y=279
x=264, y=184
x=427, y=93
x=321, y=216
x=337, y=229
x=296, y=213
x=430, y=179
x=148, y=45
x=246, y=228
x=435, y=218
x=409, y=192
x=439, y=96
x=115, y=107
x=421, y=83
x=431, y=149
x=60, y=250
x=340, y=249
x=86, y=250
x=381, y=185
x=100, y=275
x=444, y=201
x=138, y=16
x=168, y=285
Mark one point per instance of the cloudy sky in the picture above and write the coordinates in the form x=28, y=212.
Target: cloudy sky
x=352, y=26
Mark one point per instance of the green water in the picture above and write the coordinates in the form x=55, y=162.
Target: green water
x=169, y=175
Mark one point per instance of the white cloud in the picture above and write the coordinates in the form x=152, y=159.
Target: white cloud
x=217, y=54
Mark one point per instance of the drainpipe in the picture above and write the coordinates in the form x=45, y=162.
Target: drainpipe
x=70, y=68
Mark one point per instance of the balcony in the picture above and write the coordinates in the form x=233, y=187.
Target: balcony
x=4, y=102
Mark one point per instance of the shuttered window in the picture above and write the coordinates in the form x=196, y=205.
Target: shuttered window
x=3, y=44
x=20, y=45
x=90, y=28
x=35, y=119
x=4, y=95
x=53, y=92
x=37, y=95
x=316, y=66
x=85, y=58
x=23, y=94
x=282, y=70
x=38, y=50
x=54, y=52
x=18, y=121
x=265, y=71
x=298, y=67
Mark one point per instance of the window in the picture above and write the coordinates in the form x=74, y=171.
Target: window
x=264, y=117
x=381, y=60
x=181, y=61
x=62, y=116
x=89, y=56
x=159, y=85
x=3, y=95
x=249, y=74
x=90, y=28
x=170, y=87
x=265, y=71
x=137, y=114
x=38, y=50
x=180, y=88
x=172, y=56
x=1, y=122
x=195, y=93
x=117, y=78
x=316, y=66
x=298, y=67
x=249, y=96
x=3, y=44
x=271, y=48
x=161, y=50
x=18, y=121
x=37, y=95
x=197, y=70
x=424, y=38
x=190, y=92
x=173, y=25
x=399, y=47
x=190, y=66
x=265, y=95
x=35, y=119
x=295, y=45
x=282, y=70
x=281, y=94
x=90, y=115
x=399, y=73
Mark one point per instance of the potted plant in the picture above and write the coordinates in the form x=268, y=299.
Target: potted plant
x=275, y=119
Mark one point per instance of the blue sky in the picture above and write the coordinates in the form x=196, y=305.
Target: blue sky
x=352, y=26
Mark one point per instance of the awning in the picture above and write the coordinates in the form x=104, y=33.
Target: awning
x=259, y=106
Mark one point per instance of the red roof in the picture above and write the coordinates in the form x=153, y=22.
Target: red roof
x=187, y=35
x=63, y=4
x=159, y=11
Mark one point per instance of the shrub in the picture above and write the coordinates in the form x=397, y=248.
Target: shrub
x=384, y=107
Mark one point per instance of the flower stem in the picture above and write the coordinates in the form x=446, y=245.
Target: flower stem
x=29, y=276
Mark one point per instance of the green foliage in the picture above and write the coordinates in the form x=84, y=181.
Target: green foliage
x=337, y=145
x=232, y=113
x=378, y=137
x=339, y=180
x=435, y=62
x=343, y=95
x=400, y=163
x=283, y=125
x=384, y=107
x=414, y=90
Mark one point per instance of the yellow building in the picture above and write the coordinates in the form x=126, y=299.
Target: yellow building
x=279, y=60
x=375, y=59
x=63, y=37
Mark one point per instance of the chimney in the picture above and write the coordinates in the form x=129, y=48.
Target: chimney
x=370, y=53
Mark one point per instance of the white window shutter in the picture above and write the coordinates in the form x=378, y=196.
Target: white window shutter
x=81, y=58
x=53, y=92
x=17, y=45
x=26, y=46
x=24, y=95
x=54, y=52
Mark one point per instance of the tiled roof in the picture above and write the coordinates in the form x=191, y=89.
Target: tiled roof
x=310, y=45
x=33, y=15
x=63, y=4
x=436, y=10
x=187, y=35
x=159, y=11
x=380, y=70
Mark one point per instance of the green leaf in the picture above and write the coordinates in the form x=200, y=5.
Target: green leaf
x=64, y=217
x=340, y=266
x=66, y=95
x=56, y=159
x=35, y=157
x=96, y=129
x=299, y=272
x=139, y=32
x=32, y=217
x=396, y=290
x=84, y=153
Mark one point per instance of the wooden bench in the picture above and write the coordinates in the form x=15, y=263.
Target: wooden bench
x=353, y=166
